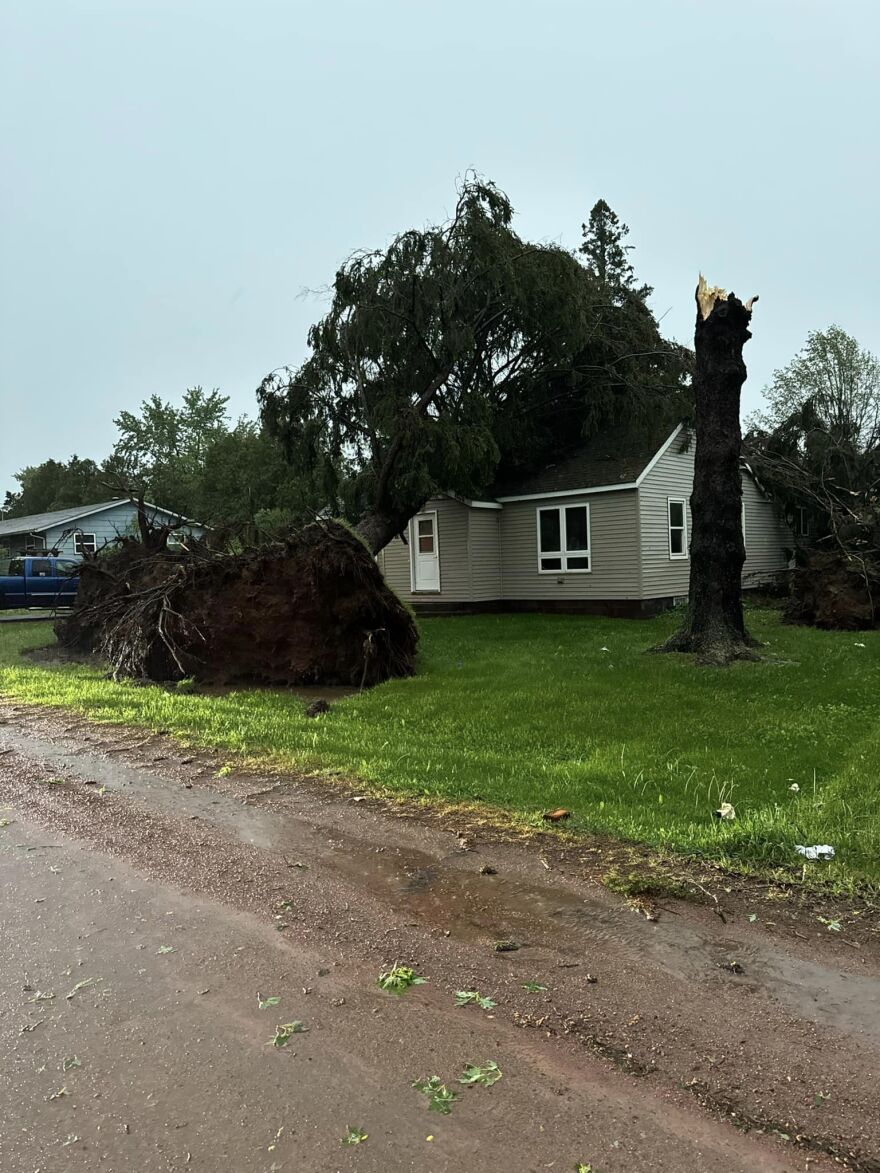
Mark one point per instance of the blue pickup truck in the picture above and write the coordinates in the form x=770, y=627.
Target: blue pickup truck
x=38, y=582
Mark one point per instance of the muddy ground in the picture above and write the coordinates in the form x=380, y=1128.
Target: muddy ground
x=733, y=1032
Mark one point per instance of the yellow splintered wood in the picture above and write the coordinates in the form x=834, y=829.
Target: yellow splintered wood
x=707, y=295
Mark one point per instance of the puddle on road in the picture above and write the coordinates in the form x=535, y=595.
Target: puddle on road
x=447, y=893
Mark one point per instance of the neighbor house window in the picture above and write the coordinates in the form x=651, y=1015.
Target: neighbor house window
x=564, y=539
x=84, y=543
x=678, y=540
x=805, y=522
x=743, y=524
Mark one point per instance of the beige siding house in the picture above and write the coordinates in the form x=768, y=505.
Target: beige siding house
x=606, y=530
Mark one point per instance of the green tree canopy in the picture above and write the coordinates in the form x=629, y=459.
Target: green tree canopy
x=247, y=483
x=606, y=254
x=457, y=345
x=831, y=386
x=56, y=484
x=817, y=443
x=161, y=450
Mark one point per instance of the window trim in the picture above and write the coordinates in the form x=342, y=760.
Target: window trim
x=79, y=537
x=685, y=554
x=804, y=522
x=563, y=554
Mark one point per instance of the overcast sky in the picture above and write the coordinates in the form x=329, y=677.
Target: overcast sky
x=175, y=173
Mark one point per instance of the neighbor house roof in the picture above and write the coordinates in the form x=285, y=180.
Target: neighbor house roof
x=617, y=458
x=36, y=523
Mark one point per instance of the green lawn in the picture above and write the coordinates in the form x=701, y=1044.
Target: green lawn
x=529, y=712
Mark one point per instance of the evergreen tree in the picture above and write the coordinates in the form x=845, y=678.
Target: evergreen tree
x=606, y=253
x=459, y=349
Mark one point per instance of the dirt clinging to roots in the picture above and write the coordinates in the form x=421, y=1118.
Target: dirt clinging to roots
x=313, y=609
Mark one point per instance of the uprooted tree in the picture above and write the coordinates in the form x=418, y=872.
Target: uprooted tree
x=817, y=449
x=459, y=347
x=715, y=627
x=313, y=609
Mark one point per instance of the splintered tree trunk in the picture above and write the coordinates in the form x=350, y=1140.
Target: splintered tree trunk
x=715, y=628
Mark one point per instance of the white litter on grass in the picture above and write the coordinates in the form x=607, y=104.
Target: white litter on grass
x=794, y=788
x=820, y=851
x=858, y=645
x=726, y=811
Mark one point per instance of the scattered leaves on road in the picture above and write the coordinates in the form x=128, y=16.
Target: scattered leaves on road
x=398, y=979
x=285, y=1032
x=354, y=1136
x=467, y=997
x=62, y=1091
x=506, y=946
x=265, y=1003
x=485, y=1076
x=69, y=1064
x=40, y=996
x=82, y=986
x=580, y=1167
x=164, y=949
x=440, y=1098
x=534, y=987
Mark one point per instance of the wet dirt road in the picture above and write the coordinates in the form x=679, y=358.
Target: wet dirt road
x=178, y=897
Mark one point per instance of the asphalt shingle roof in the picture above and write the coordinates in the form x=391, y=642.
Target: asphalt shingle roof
x=615, y=457
x=37, y=522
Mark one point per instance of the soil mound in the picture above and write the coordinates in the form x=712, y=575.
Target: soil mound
x=313, y=609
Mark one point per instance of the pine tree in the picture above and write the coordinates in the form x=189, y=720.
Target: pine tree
x=606, y=252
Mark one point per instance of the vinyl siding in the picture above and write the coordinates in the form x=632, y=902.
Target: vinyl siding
x=766, y=535
x=106, y=525
x=484, y=544
x=456, y=569
x=672, y=476
x=614, y=554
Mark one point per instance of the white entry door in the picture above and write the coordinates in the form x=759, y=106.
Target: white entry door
x=426, y=552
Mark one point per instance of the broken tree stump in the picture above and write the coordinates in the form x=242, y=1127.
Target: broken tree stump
x=715, y=628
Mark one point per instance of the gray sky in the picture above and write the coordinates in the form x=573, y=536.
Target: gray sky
x=175, y=173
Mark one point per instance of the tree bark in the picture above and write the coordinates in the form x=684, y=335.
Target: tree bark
x=377, y=530
x=715, y=628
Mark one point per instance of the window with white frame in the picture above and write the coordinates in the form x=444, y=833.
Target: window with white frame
x=677, y=517
x=564, y=539
x=743, y=524
x=805, y=522
x=84, y=543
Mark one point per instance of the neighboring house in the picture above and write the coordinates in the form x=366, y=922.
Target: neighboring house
x=606, y=530
x=83, y=529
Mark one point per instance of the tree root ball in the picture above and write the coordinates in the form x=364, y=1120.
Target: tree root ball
x=313, y=610
x=831, y=590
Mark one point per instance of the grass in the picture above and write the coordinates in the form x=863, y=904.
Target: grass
x=529, y=712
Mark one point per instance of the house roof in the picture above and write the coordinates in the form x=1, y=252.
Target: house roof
x=36, y=523
x=614, y=459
